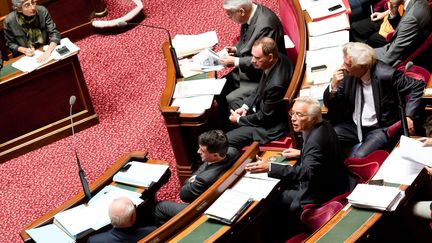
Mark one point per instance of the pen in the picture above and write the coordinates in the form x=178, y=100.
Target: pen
x=371, y=8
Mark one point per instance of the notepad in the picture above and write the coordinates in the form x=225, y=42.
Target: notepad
x=229, y=206
x=384, y=198
x=140, y=174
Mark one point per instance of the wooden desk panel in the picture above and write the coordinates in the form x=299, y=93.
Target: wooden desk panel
x=34, y=107
x=99, y=184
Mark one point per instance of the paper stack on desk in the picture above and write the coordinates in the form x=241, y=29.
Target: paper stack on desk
x=325, y=9
x=383, y=198
x=333, y=24
x=186, y=45
x=140, y=174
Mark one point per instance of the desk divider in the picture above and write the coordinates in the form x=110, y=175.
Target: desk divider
x=7, y=69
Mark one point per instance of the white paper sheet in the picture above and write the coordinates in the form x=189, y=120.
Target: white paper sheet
x=413, y=149
x=336, y=23
x=334, y=39
x=194, y=105
x=198, y=87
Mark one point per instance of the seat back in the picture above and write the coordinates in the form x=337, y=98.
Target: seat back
x=364, y=168
x=422, y=48
x=316, y=217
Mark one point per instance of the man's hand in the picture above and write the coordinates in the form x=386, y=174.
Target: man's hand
x=227, y=61
x=338, y=76
x=378, y=16
x=43, y=57
x=236, y=114
x=232, y=50
x=410, y=124
x=291, y=153
x=259, y=166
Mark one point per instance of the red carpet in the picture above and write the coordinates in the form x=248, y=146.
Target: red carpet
x=125, y=74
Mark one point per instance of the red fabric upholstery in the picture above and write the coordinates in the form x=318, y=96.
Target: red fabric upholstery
x=417, y=52
x=278, y=145
x=380, y=4
x=298, y=238
x=416, y=72
x=290, y=26
x=314, y=218
x=393, y=130
x=364, y=168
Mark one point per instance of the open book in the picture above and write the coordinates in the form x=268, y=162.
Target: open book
x=384, y=198
x=140, y=174
x=229, y=206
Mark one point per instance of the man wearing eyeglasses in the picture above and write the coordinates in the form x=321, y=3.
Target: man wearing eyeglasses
x=30, y=27
x=319, y=175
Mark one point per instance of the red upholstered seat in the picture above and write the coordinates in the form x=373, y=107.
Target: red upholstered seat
x=290, y=25
x=422, y=48
x=364, y=168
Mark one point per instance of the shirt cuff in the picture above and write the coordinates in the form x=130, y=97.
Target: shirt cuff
x=246, y=107
x=236, y=61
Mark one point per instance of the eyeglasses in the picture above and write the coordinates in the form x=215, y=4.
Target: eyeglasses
x=29, y=4
x=297, y=114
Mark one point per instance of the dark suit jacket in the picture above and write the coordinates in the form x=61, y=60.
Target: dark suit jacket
x=320, y=174
x=202, y=179
x=385, y=83
x=264, y=23
x=270, y=111
x=412, y=30
x=118, y=235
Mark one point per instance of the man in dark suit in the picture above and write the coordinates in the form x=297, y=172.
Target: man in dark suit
x=123, y=215
x=413, y=27
x=256, y=21
x=262, y=115
x=362, y=100
x=213, y=146
x=317, y=177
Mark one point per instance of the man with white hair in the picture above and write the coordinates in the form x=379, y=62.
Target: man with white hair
x=256, y=21
x=362, y=100
x=318, y=176
x=122, y=214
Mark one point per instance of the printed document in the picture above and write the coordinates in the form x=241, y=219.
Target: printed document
x=414, y=150
x=186, y=45
x=209, y=86
x=336, y=23
x=334, y=39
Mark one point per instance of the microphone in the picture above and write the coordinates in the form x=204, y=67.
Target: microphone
x=173, y=53
x=81, y=174
x=401, y=106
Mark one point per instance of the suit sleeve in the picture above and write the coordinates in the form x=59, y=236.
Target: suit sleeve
x=191, y=190
x=405, y=36
x=308, y=168
x=53, y=33
x=267, y=108
x=413, y=88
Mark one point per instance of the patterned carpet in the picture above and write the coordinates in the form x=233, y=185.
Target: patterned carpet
x=125, y=74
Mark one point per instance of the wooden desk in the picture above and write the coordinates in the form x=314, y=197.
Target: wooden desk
x=353, y=224
x=34, y=107
x=183, y=129
x=99, y=184
x=72, y=17
x=199, y=205
x=204, y=229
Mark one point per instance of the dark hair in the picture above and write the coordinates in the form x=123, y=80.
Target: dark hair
x=215, y=140
x=428, y=126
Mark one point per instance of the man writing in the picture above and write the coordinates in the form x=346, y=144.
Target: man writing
x=256, y=21
x=262, y=115
x=213, y=146
x=318, y=176
x=362, y=100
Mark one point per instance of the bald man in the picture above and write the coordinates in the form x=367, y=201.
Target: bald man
x=122, y=214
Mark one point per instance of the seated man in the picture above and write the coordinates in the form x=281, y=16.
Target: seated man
x=262, y=115
x=256, y=21
x=213, y=146
x=374, y=30
x=123, y=215
x=319, y=175
x=362, y=100
x=413, y=27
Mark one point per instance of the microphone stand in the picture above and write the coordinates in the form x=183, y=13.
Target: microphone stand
x=172, y=49
x=81, y=174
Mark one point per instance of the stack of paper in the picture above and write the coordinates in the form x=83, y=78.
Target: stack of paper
x=384, y=198
x=258, y=185
x=140, y=174
x=186, y=45
x=325, y=9
x=333, y=24
x=228, y=206
x=29, y=64
x=195, y=96
x=414, y=150
x=334, y=39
